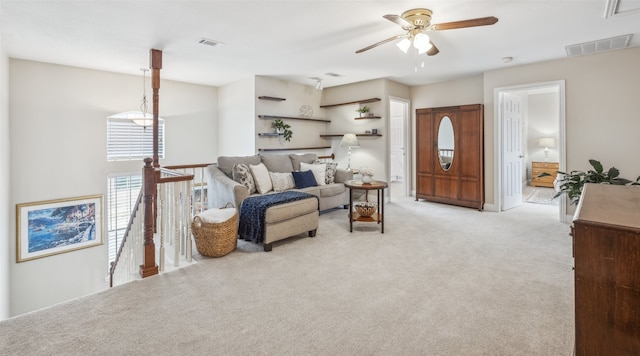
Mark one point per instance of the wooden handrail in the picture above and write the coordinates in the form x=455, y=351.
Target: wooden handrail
x=112, y=268
x=187, y=166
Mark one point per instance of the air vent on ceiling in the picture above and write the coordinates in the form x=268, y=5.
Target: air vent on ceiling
x=331, y=74
x=606, y=44
x=210, y=42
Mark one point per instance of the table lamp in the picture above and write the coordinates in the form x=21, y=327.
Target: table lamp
x=349, y=140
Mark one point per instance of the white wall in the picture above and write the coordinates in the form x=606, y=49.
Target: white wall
x=6, y=237
x=236, y=105
x=543, y=122
x=305, y=133
x=451, y=93
x=372, y=150
x=58, y=150
x=602, y=108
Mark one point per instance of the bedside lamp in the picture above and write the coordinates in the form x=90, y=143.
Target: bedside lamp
x=546, y=142
x=349, y=140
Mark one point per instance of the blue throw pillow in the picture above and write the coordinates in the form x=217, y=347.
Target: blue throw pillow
x=304, y=179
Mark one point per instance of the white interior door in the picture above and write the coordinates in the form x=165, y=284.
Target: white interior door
x=512, y=154
x=396, y=138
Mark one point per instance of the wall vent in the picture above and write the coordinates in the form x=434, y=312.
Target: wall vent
x=602, y=45
x=212, y=43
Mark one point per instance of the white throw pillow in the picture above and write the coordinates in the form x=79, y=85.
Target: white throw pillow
x=261, y=177
x=282, y=181
x=319, y=171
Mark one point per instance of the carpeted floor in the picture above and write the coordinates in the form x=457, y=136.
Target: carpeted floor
x=441, y=280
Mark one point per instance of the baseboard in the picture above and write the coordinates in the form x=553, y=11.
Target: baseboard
x=490, y=207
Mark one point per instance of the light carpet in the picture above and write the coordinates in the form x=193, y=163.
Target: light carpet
x=441, y=280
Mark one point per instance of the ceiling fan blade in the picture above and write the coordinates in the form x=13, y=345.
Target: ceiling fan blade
x=399, y=20
x=380, y=43
x=433, y=50
x=481, y=21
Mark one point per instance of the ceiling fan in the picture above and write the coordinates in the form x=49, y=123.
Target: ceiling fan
x=417, y=22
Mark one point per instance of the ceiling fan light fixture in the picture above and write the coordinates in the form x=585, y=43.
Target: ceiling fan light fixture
x=421, y=42
x=404, y=44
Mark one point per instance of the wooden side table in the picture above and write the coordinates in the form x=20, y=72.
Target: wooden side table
x=378, y=216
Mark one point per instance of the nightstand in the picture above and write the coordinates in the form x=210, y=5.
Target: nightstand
x=538, y=168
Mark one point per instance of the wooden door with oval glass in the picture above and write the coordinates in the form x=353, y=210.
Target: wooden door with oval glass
x=446, y=143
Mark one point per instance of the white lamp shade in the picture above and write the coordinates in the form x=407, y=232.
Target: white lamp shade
x=140, y=118
x=547, y=142
x=404, y=44
x=421, y=42
x=349, y=140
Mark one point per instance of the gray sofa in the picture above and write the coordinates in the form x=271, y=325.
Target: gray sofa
x=221, y=188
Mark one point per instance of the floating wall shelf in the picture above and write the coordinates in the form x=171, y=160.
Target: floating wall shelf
x=270, y=134
x=272, y=98
x=367, y=117
x=273, y=117
x=359, y=135
x=363, y=101
x=293, y=149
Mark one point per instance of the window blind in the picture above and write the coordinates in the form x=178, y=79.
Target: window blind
x=122, y=192
x=128, y=141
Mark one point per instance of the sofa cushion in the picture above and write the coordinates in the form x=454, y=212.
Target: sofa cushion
x=304, y=179
x=306, y=158
x=282, y=181
x=277, y=163
x=262, y=178
x=242, y=174
x=330, y=175
x=330, y=190
x=319, y=171
x=225, y=163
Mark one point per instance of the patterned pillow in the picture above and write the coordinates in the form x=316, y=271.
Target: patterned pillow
x=282, y=181
x=242, y=175
x=330, y=174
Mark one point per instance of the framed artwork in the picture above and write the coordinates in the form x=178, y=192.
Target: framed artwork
x=51, y=227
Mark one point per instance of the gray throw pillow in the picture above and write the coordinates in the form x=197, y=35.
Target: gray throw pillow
x=242, y=174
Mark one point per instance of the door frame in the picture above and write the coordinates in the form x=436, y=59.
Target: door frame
x=498, y=139
x=405, y=137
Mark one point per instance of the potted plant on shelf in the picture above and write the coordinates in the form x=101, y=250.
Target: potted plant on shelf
x=283, y=128
x=363, y=110
x=571, y=183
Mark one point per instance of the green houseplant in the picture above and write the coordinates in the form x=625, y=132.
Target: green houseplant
x=571, y=183
x=280, y=126
x=363, y=110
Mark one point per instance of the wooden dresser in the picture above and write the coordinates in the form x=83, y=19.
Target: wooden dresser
x=606, y=249
x=538, y=168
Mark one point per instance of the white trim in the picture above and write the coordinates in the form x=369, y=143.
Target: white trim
x=407, y=149
x=497, y=133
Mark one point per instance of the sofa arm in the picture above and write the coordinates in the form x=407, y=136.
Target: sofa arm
x=222, y=189
x=343, y=175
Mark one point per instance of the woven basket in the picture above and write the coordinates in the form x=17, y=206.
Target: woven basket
x=366, y=209
x=215, y=239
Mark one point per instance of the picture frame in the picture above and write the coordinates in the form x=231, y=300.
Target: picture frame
x=51, y=227
x=199, y=198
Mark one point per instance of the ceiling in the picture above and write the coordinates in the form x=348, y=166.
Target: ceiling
x=298, y=39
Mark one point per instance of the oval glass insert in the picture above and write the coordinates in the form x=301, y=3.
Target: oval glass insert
x=445, y=143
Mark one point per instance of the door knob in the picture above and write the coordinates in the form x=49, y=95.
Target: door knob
x=521, y=156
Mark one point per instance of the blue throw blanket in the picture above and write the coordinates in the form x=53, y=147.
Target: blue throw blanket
x=254, y=209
